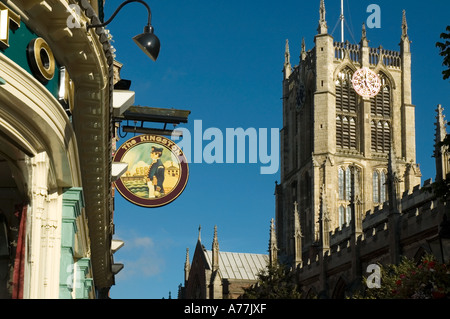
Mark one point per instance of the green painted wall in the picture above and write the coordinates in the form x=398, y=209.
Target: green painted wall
x=17, y=51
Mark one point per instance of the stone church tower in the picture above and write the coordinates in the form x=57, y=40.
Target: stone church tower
x=336, y=145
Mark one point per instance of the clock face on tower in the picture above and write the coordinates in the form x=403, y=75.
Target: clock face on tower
x=366, y=82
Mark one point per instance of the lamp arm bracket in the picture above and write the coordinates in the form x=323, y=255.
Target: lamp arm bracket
x=117, y=11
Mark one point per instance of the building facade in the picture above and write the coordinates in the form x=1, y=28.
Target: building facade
x=350, y=192
x=215, y=274
x=56, y=133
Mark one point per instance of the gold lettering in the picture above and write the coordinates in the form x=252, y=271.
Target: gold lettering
x=177, y=152
x=8, y=20
x=66, y=94
x=129, y=144
x=169, y=143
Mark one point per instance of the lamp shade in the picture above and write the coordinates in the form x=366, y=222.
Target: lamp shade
x=148, y=42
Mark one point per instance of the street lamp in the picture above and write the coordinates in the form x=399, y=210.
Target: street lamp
x=146, y=41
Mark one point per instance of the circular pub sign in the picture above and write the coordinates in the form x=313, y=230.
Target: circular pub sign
x=157, y=170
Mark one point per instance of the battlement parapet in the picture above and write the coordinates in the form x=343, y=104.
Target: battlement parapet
x=420, y=197
x=310, y=266
x=419, y=217
x=346, y=49
x=340, y=234
x=415, y=205
x=391, y=59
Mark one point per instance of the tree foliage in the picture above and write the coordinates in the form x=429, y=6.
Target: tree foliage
x=428, y=279
x=274, y=282
x=444, y=48
x=442, y=188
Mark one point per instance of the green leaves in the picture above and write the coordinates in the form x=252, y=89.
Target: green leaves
x=428, y=279
x=444, y=48
x=274, y=282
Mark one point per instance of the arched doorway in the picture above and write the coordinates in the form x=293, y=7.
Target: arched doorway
x=12, y=222
x=339, y=289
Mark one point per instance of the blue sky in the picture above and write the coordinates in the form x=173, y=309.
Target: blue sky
x=223, y=60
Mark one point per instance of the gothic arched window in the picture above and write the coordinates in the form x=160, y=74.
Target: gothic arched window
x=341, y=183
x=341, y=216
x=375, y=187
x=380, y=111
x=346, y=132
x=346, y=111
x=348, y=183
x=380, y=136
x=348, y=215
x=379, y=187
x=348, y=188
x=383, y=187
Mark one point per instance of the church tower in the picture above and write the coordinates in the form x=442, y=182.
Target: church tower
x=335, y=142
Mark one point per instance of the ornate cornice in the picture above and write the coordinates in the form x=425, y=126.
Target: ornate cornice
x=88, y=57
